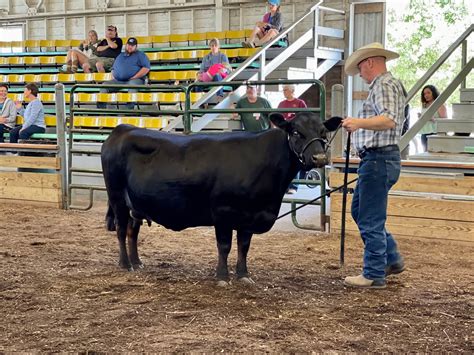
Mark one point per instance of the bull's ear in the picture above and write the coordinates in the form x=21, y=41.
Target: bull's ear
x=333, y=123
x=278, y=120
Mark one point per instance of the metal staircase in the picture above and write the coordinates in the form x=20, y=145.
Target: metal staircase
x=302, y=59
x=452, y=138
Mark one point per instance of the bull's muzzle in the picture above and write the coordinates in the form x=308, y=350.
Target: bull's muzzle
x=320, y=160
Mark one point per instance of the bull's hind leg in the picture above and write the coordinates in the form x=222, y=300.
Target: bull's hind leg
x=132, y=234
x=224, y=244
x=122, y=217
x=243, y=244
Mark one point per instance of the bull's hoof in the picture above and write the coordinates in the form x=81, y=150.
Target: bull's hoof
x=126, y=266
x=139, y=265
x=222, y=283
x=246, y=280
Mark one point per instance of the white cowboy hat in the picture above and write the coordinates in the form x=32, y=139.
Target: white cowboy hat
x=370, y=50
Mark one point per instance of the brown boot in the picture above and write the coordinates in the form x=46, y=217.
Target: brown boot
x=74, y=66
x=68, y=67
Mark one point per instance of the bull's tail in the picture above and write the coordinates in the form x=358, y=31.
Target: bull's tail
x=110, y=220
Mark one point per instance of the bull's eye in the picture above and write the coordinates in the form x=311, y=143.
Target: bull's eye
x=296, y=134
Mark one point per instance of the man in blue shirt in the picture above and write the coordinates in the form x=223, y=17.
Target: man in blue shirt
x=130, y=68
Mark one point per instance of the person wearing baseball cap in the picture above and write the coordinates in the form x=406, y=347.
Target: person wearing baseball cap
x=270, y=26
x=130, y=68
x=375, y=134
x=107, y=50
x=253, y=121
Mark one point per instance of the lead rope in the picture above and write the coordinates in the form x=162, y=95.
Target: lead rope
x=344, y=195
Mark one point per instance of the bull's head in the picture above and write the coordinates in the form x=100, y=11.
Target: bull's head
x=307, y=136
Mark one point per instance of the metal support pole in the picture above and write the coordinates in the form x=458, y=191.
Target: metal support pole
x=463, y=60
x=61, y=134
x=344, y=202
x=337, y=109
x=262, y=72
x=315, y=37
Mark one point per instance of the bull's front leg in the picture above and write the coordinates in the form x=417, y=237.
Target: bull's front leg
x=132, y=236
x=243, y=242
x=224, y=244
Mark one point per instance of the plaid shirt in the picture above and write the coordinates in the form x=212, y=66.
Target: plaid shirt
x=385, y=98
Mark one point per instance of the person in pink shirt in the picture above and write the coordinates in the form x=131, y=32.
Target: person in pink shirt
x=291, y=102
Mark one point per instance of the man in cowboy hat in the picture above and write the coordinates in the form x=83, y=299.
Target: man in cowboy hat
x=376, y=134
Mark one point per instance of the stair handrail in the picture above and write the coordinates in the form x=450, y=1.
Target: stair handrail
x=440, y=100
x=257, y=54
x=429, y=73
x=445, y=94
x=285, y=54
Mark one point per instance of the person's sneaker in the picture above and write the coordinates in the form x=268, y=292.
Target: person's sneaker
x=362, y=282
x=396, y=268
x=291, y=191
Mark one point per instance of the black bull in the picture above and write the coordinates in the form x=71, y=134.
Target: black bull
x=232, y=181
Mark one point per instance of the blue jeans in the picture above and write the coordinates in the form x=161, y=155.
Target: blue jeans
x=15, y=133
x=378, y=172
x=216, y=77
x=3, y=129
x=130, y=105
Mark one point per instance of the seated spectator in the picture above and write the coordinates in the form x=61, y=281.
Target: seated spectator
x=130, y=68
x=215, y=66
x=428, y=95
x=77, y=57
x=291, y=102
x=107, y=50
x=7, y=112
x=267, y=29
x=33, y=115
x=253, y=121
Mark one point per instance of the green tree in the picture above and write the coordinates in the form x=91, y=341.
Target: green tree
x=421, y=33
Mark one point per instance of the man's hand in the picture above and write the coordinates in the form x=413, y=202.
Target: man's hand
x=351, y=124
x=3, y=120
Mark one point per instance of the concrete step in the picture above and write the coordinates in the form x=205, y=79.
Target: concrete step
x=467, y=95
x=449, y=144
x=455, y=125
x=463, y=110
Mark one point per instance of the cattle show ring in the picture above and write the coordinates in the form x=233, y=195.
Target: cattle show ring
x=168, y=228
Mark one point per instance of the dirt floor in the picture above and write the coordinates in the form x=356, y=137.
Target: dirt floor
x=61, y=290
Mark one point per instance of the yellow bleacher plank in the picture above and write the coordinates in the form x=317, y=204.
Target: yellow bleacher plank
x=62, y=43
x=61, y=59
x=160, y=76
x=240, y=34
x=32, y=60
x=178, y=38
x=216, y=34
x=196, y=37
x=16, y=60
x=101, y=77
x=160, y=39
x=75, y=42
x=66, y=78
x=83, y=77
